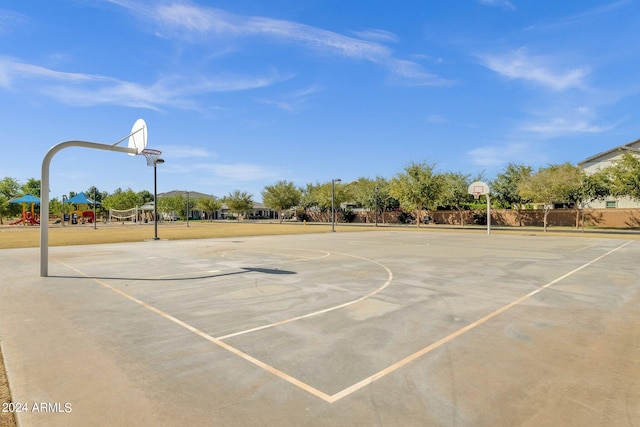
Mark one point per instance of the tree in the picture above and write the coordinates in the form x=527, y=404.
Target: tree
x=624, y=177
x=209, y=205
x=309, y=197
x=94, y=194
x=553, y=184
x=32, y=187
x=504, y=189
x=319, y=197
x=145, y=196
x=419, y=187
x=337, y=194
x=385, y=201
x=455, y=192
x=587, y=188
x=9, y=189
x=55, y=206
x=597, y=186
x=122, y=200
x=189, y=205
x=373, y=195
x=171, y=204
x=5, y=208
x=239, y=202
x=281, y=196
x=328, y=195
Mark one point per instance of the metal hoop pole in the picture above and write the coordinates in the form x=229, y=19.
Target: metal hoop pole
x=44, y=192
x=488, y=214
x=155, y=202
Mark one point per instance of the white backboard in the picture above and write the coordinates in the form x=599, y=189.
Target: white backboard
x=138, y=137
x=479, y=188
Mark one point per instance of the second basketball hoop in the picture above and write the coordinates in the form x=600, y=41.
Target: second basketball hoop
x=478, y=189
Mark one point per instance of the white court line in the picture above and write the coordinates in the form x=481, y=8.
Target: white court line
x=357, y=386
x=208, y=337
x=326, y=310
x=367, y=381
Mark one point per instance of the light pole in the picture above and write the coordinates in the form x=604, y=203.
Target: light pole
x=376, y=206
x=187, y=208
x=156, y=162
x=95, y=217
x=64, y=198
x=333, y=203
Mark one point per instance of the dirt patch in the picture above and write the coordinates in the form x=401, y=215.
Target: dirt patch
x=6, y=418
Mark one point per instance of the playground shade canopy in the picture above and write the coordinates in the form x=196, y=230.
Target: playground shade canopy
x=27, y=198
x=81, y=199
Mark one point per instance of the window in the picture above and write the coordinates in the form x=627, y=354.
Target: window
x=611, y=204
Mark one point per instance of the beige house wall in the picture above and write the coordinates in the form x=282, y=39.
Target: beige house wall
x=604, y=160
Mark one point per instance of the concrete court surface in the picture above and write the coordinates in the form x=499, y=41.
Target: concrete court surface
x=388, y=328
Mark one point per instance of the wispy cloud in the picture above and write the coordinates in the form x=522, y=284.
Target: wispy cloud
x=500, y=3
x=192, y=22
x=184, y=152
x=407, y=72
x=583, y=18
x=307, y=91
x=377, y=35
x=536, y=69
x=10, y=20
x=291, y=102
x=436, y=118
x=238, y=172
x=497, y=155
x=581, y=120
x=286, y=106
x=91, y=89
x=12, y=70
x=559, y=126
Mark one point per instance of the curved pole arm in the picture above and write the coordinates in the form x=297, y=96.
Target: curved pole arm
x=44, y=192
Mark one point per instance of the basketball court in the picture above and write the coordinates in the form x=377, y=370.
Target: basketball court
x=364, y=328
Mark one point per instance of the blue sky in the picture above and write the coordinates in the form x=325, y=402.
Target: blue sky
x=241, y=94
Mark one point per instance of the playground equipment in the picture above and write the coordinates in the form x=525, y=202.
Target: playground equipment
x=28, y=217
x=81, y=215
x=122, y=215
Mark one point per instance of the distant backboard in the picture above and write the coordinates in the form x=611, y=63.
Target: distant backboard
x=138, y=137
x=478, y=189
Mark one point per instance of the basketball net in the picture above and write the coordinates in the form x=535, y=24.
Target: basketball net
x=151, y=155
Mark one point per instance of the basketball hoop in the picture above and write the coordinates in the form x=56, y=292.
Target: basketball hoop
x=478, y=189
x=152, y=156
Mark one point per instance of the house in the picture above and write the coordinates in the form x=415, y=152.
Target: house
x=259, y=210
x=605, y=159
